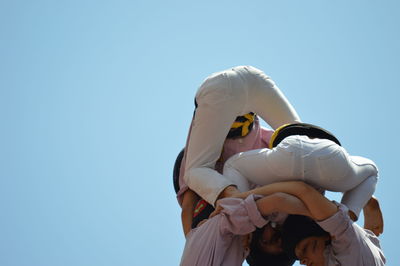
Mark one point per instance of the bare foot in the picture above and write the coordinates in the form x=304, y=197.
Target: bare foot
x=373, y=218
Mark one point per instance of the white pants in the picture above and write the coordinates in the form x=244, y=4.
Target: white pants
x=221, y=98
x=319, y=162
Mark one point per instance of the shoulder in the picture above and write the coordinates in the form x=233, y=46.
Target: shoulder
x=338, y=221
x=351, y=242
x=240, y=216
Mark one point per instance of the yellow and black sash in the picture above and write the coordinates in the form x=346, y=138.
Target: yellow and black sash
x=304, y=129
x=242, y=126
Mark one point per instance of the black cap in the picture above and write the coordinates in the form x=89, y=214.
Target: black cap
x=177, y=169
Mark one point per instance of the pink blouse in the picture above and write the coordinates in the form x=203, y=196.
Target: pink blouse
x=258, y=138
x=220, y=240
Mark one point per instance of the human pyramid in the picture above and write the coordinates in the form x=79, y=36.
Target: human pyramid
x=250, y=193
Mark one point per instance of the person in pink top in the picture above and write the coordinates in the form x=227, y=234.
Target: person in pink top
x=224, y=239
x=254, y=136
x=246, y=134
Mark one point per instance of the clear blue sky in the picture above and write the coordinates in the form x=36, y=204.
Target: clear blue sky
x=96, y=98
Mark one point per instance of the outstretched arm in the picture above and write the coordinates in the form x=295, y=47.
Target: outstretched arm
x=282, y=202
x=319, y=207
x=276, y=202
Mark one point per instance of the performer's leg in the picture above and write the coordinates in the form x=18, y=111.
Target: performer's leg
x=356, y=198
x=218, y=106
x=260, y=167
x=355, y=176
x=221, y=98
x=363, y=170
x=267, y=100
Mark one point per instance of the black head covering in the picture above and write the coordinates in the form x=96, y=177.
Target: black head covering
x=177, y=168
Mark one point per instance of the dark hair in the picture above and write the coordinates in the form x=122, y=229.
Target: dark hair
x=177, y=169
x=297, y=228
x=257, y=257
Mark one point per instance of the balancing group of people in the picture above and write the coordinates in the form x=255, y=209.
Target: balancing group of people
x=257, y=194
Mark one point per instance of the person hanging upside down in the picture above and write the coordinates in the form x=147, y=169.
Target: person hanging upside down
x=245, y=134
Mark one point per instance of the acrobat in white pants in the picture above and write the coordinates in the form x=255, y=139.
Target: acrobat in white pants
x=221, y=98
x=318, y=162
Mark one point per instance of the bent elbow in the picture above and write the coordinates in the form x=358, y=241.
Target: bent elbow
x=276, y=201
x=304, y=189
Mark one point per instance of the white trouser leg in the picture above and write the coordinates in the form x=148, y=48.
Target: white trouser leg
x=356, y=198
x=221, y=98
x=262, y=167
x=267, y=100
x=218, y=106
x=355, y=176
x=321, y=163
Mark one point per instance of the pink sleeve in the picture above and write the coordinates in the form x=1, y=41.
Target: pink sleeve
x=351, y=244
x=240, y=216
x=339, y=226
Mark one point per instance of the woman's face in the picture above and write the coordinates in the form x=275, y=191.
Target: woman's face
x=271, y=240
x=310, y=250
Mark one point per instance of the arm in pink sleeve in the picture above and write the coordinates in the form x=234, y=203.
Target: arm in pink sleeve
x=339, y=226
x=240, y=216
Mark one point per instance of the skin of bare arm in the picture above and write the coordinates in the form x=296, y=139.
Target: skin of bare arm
x=188, y=204
x=276, y=202
x=282, y=202
x=229, y=191
x=319, y=207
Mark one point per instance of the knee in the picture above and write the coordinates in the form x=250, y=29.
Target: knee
x=230, y=163
x=364, y=162
x=374, y=168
